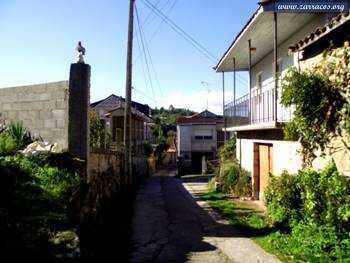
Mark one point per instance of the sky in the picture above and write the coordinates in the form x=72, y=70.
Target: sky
x=38, y=40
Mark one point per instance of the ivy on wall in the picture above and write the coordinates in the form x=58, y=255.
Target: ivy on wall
x=320, y=98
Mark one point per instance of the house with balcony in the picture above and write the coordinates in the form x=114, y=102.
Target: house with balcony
x=257, y=118
x=198, y=138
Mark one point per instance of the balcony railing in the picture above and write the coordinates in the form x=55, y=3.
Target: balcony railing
x=257, y=107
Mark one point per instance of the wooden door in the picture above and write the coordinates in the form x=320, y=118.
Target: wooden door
x=265, y=167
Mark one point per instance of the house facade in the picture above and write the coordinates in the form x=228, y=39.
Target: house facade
x=198, y=137
x=112, y=102
x=257, y=118
x=116, y=119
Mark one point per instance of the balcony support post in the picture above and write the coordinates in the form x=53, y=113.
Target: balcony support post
x=275, y=65
x=223, y=104
x=250, y=80
x=234, y=90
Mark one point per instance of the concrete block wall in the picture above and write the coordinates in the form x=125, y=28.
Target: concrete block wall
x=43, y=109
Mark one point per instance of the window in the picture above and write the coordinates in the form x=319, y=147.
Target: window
x=199, y=137
x=203, y=134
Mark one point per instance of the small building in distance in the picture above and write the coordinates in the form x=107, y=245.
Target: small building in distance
x=113, y=102
x=116, y=119
x=198, y=136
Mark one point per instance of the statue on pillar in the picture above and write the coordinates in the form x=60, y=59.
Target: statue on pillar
x=81, y=52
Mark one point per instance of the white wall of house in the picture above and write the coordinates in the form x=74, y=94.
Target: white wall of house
x=285, y=155
x=187, y=142
x=204, y=145
x=265, y=66
x=184, y=133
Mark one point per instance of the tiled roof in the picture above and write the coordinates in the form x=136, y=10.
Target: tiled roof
x=336, y=22
x=133, y=111
x=203, y=117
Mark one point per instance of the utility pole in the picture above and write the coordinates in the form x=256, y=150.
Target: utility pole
x=127, y=107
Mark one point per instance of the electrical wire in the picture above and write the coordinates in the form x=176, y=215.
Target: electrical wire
x=144, y=52
x=145, y=95
x=142, y=63
x=181, y=32
x=161, y=23
x=159, y=26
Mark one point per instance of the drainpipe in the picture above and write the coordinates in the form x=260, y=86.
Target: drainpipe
x=223, y=104
x=250, y=80
x=275, y=62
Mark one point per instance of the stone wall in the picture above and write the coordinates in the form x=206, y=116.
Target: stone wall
x=105, y=163
x=336, y=151
x=43, y=109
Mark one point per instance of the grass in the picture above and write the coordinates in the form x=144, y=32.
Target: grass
x=249, y=219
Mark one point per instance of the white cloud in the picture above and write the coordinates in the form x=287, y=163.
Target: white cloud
x=196, y=101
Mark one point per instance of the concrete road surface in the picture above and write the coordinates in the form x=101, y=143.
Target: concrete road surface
x=171, y=224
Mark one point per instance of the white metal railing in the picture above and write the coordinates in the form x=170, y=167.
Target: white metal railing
x=258, y=106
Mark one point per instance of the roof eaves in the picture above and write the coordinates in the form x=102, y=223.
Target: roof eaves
x=258, y=11
x=320, y=32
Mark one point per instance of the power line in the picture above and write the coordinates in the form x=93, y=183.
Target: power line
x=182, y=33
x=141, y=31
x=144, y=52
x=142, y=64
x=160, y=24
x=147, y=19
x=146, y=96
x=142, y=35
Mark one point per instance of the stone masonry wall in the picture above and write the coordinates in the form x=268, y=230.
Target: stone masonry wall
x=43, y=109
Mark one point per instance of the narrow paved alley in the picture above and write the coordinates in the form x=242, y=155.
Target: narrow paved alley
x=171, y=224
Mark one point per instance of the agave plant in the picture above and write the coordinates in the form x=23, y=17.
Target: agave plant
x=19, y=133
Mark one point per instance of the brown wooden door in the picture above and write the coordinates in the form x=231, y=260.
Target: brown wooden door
x=265, y=167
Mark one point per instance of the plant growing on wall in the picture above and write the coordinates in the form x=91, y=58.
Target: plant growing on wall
x=320, y=99
x=99, y=137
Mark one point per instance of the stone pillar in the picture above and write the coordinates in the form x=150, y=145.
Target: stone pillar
x=79, y=105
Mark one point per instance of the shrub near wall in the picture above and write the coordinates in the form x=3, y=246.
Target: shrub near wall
x=233, y=178
x=315, y=208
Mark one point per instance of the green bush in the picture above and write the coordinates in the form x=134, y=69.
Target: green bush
x=312, y=242
x=325, y=197
x=243, y=185
x=229, y=173
x=282, y=197
x=228, y=150
x=315, y=197
x=234, y=179
x=7, y=145
x=34, y=201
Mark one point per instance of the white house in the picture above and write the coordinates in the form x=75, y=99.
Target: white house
x=261, y=49
x=198, y=136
